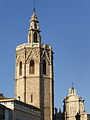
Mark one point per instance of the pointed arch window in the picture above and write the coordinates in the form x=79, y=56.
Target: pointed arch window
x=35, y=37
x=20, y=68
x=32, y=67
x=44, y=67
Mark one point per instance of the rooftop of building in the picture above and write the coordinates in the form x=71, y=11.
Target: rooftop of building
x=32, y=45
x=6, y=100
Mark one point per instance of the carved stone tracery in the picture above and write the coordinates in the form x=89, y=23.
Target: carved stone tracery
x=45, y=54
x=20, y=56
x=32, y=54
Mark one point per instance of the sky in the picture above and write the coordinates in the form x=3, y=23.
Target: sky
x=65, y=25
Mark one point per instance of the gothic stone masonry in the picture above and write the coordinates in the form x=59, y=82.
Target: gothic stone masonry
x=34, y=72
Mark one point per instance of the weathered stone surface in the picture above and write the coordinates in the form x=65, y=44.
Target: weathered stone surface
x=37, y=86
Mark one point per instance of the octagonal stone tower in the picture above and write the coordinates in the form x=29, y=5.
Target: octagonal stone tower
x=34, y=83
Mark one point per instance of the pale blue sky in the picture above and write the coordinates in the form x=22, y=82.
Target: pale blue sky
x=65, y=25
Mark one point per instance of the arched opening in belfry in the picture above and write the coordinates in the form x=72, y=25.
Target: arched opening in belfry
x=35, y=37
x=32, y=67
x=35, y=25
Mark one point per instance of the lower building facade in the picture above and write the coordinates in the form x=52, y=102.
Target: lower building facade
x=19, y=110
x=5, y=113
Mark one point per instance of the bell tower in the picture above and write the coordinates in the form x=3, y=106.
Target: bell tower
x=34, y=31
x=34, y=82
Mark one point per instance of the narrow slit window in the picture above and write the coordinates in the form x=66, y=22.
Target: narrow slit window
x=32, y=67
x=44, y=67
x=31, y=98
x=20, y=69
